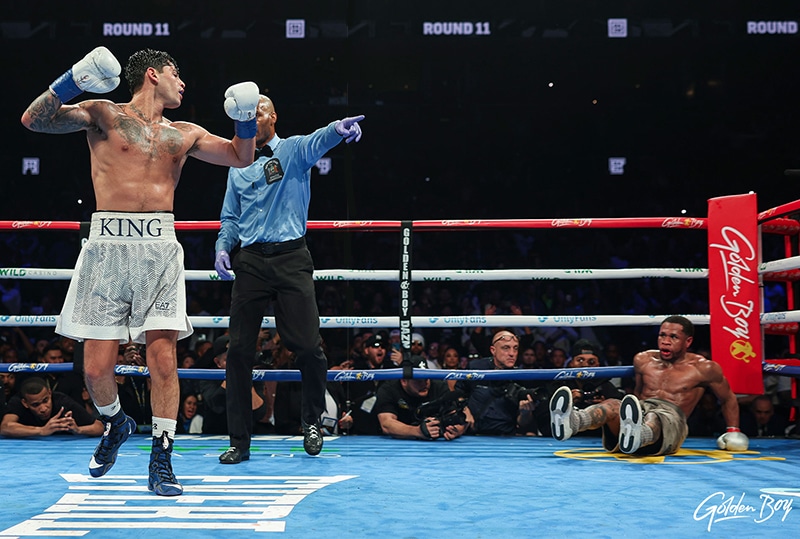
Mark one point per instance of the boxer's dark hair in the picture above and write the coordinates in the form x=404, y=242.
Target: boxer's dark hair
x=140, y=61
x=682, y=321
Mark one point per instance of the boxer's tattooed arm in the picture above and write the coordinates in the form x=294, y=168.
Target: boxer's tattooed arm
x=48, y=116
x=187, y=130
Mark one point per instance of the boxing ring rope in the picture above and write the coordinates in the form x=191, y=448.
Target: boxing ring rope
x=423, y=275
x=289, y=375
x=770, y=221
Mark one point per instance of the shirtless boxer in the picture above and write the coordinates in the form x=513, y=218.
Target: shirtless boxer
x=670, y=381
x=129, y=278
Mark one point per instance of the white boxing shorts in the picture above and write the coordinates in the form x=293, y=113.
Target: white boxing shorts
x=129, y=279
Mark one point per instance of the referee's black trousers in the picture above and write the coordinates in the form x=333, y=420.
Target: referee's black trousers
x=285, y=278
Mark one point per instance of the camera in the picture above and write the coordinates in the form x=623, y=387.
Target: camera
x=263, y=360
x=589, y=397
x=516, y=393
x=447, y=410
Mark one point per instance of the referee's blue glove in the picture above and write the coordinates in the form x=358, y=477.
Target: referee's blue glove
x=349, y=128
x=222, y=264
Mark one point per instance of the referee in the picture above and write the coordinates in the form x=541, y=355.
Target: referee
x=266, y=211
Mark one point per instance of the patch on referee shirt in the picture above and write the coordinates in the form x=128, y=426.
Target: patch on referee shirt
x=273, y=171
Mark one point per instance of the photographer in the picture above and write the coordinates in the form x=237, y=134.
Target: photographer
x=498, y=406
x=423, y=409
x=586, y=391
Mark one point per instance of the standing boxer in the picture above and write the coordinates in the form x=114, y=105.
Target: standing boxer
x=129, y=279
x=266, y=210
x=670, y=381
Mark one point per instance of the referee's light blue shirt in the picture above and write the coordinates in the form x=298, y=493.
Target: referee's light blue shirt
x=256, y=212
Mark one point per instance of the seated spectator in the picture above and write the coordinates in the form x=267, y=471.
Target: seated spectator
x=434, y=355
x=557, y=358
x=189, y=386
x=69, y=382
x=527, y=359
x=418, y=349
x=498, y=406
x=212, y=392
x=68, y=348
x=8, y=381
x=759, y=420
x=9, y=355
x=38, y=411
x=189, y=420
x=188, y=361
x=399, y=401
x=361, y=395
x=451, y=358
x=214, y=397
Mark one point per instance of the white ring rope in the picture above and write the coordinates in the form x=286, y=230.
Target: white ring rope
x=421, y=275
x=780, y=316
x=578, y=274
x=417, y=321
x=442, y=321
x=783, y=264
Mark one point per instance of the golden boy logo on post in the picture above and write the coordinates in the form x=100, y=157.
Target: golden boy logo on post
x=742, y=350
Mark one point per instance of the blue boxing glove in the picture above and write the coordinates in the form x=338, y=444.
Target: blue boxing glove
x=349, y=128
x=241, y=101
x=733, y=440
x=222, y=263
x=97, y=72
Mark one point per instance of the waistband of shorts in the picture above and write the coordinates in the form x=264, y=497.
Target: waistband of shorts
x=132, y=226
x=274, y=248
x=669, y=405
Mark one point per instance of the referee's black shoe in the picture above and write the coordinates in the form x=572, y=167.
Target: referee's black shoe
x=234, y=455
x=312, y=439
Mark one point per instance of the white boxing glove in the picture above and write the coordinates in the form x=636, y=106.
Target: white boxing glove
x=733, y=440
x=97, y=72
x=241, y=101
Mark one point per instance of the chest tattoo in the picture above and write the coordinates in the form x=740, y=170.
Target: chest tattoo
x=154, y=140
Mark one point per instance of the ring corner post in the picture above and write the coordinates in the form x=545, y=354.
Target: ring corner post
x=734, y=288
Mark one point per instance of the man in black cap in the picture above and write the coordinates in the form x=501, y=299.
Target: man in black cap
x=361, y=395
x=420, y=408
x=588, y=391
x=375, y=353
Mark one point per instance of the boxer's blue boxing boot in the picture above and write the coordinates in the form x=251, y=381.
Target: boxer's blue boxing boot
x=561, y=414
x=630, y=424
x=118, y=429
x=161, y=479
